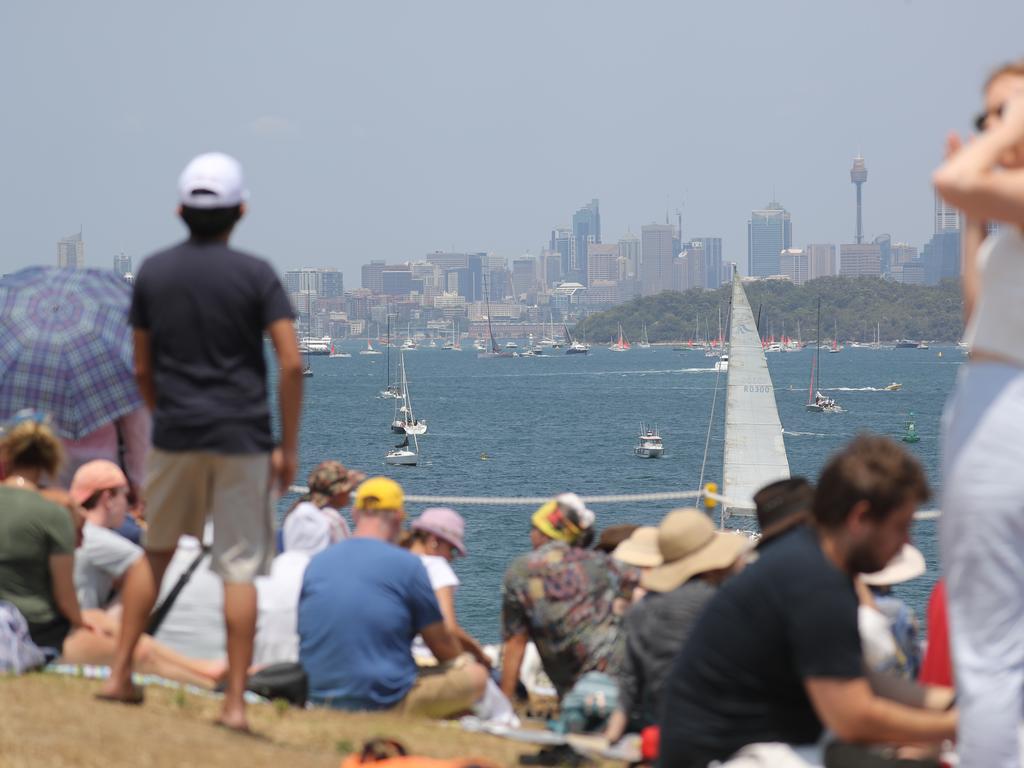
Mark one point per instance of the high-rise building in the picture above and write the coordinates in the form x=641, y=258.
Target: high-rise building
x=602, y=262
x=71, y=252
x=859, y=176
x=524, y=275
x=941, y=257
x=821, y=260
x=884, y=243
x=947, y=218
x=551, y=267
x=586, y=229
x=562, y=244
x=769, y=232
x=902, y=253
x=696, y=265
x=373, y=276
x=712, y=249
x=680, y=271
x=629, y=253
x=793, y=264
x=656, y=258
x=122, y=264
x=860, y=260
x=332, y=283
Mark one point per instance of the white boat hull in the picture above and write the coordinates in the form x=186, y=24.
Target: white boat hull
x=415, y=429
x=648, y=453
x=401, y=457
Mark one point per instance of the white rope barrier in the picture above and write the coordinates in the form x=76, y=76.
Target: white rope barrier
x=621, y=498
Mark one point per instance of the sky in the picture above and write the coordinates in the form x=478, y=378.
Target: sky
x=387, y=129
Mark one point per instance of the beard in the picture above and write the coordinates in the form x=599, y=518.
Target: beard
x=865, y=558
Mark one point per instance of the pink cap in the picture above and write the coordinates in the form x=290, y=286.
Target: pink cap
x=98, y=475
x=445, y=523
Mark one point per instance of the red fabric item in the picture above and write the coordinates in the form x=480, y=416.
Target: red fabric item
x=937, y=667
x=650, y=742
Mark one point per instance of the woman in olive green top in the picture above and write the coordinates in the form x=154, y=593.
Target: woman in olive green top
x=37, y=545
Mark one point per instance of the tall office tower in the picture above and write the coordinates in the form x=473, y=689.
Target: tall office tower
x=562, y=244
x=860, y=260
x=602, y=262
x=551, y=267
x=769, y=232
x=307, y=279
x=903, y=253
x=332, y=283
x=821, y=260
x=941, y=257
x=524, y=275
x=122, y=264
x=586, y=229
x=680, y=271
x=629, y=253
x=884, y=243
x=712, y=248
x=947, y=218
x=696, y=265
x=859, y=176
x=656, y=258
x=373, y=276
x=71, y=252
x=793, y=264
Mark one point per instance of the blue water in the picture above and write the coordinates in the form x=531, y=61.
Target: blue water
x=568, y=423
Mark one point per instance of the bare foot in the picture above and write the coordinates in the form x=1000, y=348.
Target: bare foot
x=234, y=719
x=130, y=694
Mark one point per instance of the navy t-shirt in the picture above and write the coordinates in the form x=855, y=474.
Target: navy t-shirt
x=739, y=679
x=362, y=603
x=206, y=307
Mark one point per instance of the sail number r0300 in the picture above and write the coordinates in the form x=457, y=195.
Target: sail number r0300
x=761, y=389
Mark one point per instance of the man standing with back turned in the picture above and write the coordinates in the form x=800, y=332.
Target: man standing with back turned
x=199, y=312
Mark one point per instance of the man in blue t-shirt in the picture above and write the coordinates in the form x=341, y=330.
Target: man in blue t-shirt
x=199, y=313
x=776, y=656
x=363, y=601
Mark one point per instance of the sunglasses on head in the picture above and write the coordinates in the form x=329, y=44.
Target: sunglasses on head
x=981, y=120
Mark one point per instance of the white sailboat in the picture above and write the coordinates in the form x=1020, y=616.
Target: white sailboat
x=405, y=422
x=405, y=454
x=495, y=350
x=369, y=347
x=336, y=353
x=816, y=401
x=644, y=342
x=755, y=453
x=391, y=390
x=575, y=347
x=453, y=345
x=622, y=345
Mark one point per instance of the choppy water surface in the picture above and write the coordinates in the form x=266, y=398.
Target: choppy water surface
x=568, y=423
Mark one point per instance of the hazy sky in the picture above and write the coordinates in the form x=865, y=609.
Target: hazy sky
x=392, y=129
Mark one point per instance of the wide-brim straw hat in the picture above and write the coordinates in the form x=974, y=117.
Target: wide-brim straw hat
x=640, y=549
x=689, y=546
x=906, y=565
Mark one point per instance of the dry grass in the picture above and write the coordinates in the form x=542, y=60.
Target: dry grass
x=52, y=721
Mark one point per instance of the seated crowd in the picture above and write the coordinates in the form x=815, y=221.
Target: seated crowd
x=727, y=648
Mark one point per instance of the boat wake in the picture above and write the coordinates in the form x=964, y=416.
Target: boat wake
x=790, y=433
x=856, y=389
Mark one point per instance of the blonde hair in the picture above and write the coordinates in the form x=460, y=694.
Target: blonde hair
x=1011, y=68
x=31, y=444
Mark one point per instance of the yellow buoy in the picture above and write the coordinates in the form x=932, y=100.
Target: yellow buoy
x=710, y=488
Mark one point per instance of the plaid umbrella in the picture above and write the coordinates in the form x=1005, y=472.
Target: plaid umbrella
x=66, y=348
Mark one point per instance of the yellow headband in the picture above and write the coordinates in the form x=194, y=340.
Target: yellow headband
x=555, y=524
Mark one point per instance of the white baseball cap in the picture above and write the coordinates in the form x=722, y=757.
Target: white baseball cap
x=212, y=180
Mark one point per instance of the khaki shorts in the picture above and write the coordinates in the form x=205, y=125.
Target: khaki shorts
x=185, y=488
x=442, y=691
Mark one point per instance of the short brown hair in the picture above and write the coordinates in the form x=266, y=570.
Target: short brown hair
x=871, y=468
x=1012, y=68
x=32, y=444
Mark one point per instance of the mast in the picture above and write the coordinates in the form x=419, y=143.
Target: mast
x=817, y=343
x=387, y=347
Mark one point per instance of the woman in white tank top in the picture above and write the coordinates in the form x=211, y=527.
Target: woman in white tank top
x=982, y=524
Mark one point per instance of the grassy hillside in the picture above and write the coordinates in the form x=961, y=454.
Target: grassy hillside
x=852, y=305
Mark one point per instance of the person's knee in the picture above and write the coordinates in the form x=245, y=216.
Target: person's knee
x=478, y=675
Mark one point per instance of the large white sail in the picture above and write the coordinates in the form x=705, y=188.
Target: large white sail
x=755, y=453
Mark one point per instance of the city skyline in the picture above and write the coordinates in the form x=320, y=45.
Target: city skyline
x=351, y=155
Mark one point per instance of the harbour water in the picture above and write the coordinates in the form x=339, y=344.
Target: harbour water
x=540, y=426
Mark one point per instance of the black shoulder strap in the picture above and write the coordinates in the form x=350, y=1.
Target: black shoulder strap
x=160, y=613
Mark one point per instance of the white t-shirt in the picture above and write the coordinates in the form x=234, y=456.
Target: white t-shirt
x=103, y=557
x=277, y=635
x=194, y=627
x=441, y=575
x=330, y=522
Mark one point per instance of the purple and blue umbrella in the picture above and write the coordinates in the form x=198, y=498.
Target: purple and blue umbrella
x=66, y=347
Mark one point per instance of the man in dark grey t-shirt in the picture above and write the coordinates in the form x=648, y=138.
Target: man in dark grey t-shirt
x=200, y=310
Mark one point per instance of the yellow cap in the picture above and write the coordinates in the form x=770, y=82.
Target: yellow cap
x=380, y=493
x=550, y=520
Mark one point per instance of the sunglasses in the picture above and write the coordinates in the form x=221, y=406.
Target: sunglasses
x=981, y=120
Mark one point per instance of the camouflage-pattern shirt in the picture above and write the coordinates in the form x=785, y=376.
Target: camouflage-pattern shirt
x=566, y=600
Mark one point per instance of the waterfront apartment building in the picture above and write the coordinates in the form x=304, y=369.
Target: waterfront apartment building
x=860, y=260
x=793, y=264
x=769, y=232
x=821, y=260
x=656, y=258
x=71, y=252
